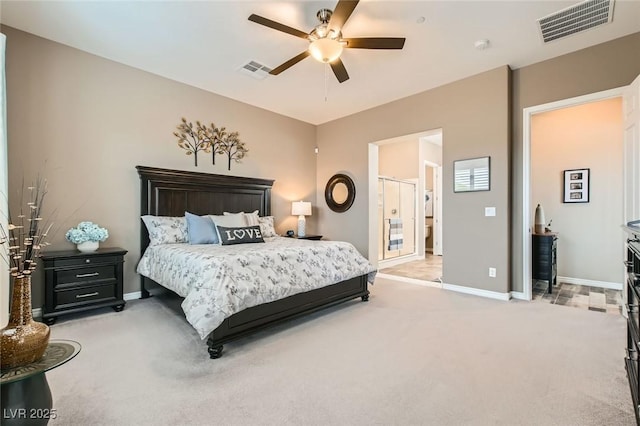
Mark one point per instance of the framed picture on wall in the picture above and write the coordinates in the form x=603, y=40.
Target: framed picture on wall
x=576, y=186
x=472, y=175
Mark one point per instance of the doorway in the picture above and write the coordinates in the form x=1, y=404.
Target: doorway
x=527, y=201
x=412, y=159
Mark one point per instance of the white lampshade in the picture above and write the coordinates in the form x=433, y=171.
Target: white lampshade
x=325, y=49
x=301, y=208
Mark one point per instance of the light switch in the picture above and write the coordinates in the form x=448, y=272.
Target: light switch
x=489, y=211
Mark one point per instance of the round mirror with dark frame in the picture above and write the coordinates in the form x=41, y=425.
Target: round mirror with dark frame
x=340, y=193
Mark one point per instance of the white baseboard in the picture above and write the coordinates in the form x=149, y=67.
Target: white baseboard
x=457, y=288
x=519, y=295
x=133, y=295
x=407, y=280
x=477, y=292
x=592, y=283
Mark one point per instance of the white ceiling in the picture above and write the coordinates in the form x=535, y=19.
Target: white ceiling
x=205, y=43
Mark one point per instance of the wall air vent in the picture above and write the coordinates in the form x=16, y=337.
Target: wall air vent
x=255, y=70
x=575, y=19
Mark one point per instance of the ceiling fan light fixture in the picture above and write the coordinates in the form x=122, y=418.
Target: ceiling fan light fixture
x=325, y=49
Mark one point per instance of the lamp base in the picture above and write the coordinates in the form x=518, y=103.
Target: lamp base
x=301, y=226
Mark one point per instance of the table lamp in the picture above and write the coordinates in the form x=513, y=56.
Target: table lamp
x=301, y=209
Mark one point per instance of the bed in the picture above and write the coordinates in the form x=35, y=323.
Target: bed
x=172, y=192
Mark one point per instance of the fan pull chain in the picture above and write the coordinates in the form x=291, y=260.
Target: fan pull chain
x=326, y=81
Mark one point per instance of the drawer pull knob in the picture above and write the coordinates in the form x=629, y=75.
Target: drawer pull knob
x=80, y=296
x=93, y=274
x=628, y=263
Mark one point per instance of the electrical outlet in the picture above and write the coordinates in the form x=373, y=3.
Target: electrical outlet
x=492, y=272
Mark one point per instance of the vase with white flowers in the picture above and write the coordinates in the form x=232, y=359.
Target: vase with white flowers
x=87, y=236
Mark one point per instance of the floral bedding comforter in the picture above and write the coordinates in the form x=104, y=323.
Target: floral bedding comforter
x=218, y=281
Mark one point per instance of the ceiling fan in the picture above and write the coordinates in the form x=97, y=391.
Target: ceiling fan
x=325, y=40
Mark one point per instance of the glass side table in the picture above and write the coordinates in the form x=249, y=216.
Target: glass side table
x=26, y=397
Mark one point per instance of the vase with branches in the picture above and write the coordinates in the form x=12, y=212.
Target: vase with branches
x=24, y=340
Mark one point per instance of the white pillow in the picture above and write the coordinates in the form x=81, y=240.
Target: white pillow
x=266, y=226
x=166, y=229
x=251, y=219
x=229, y=220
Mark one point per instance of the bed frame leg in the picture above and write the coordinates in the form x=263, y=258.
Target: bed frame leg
x=365, y=298
x=144, y=293
x=215, y=351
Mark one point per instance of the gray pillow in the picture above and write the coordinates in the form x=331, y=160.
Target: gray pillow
x=201, y=229
x=241, y=235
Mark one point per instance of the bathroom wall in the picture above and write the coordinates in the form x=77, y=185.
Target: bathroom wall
x=399, y=160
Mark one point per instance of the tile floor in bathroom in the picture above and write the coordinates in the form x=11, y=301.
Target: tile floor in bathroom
x=577, y=296
x=429, y=269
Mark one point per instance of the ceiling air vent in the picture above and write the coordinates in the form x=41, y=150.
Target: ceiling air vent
x=255, y=70
x=576, y=18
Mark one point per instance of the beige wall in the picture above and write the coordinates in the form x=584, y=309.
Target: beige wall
x=474, y=116
x=580, y=137
x=605, y=66
x=399, y=160
x=85, y=122
x=92, y=120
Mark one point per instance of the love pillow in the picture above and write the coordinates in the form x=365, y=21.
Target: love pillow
x=244, y=235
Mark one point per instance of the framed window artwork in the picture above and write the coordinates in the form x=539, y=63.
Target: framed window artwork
x=471, y=175
x=576, y=186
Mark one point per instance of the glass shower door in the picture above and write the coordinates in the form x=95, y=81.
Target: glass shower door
x=396, y=203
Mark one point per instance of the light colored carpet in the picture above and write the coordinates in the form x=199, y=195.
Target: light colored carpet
x=412, y=355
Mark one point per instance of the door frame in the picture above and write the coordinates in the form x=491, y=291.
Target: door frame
x=436, y=230
x=527, y=114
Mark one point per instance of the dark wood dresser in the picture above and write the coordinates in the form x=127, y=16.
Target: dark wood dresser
x=307, y=237
x=632, y=264
x=545, y=257
x=76, y=282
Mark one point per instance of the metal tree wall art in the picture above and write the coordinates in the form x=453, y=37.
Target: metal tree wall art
x=215, y=140
x=215, y=136
x=193, y=139
x=230, y=144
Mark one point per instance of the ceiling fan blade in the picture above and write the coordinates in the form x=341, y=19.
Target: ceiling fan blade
x=375, y=43
x=291, y=62
x=339, y=70
x=277, y=26
x=341, y=13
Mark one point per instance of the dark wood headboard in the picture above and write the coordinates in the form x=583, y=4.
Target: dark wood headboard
x=166, y=192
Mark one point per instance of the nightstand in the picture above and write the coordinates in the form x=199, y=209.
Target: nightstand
x=77, y=282
x=544, y=261
x=308, y=237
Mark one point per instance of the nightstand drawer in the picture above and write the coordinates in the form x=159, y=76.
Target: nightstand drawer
x=83, y=275
x=82, y=261
x=79, y=296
